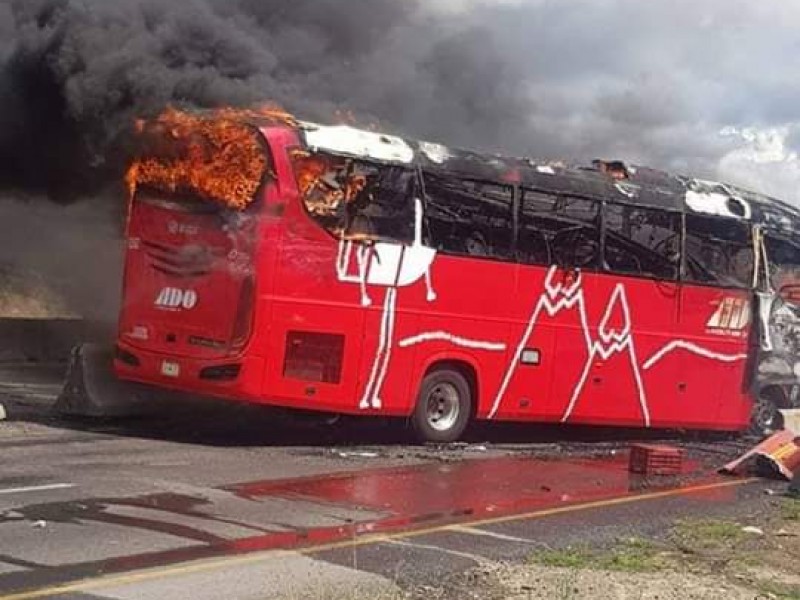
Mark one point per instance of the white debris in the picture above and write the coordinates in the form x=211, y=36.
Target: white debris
x=546, y=169
x=715, y=203
x=435, y=152
x=753, y=530
x=357, y=142
x=791, y=418
x=358, y=454
x=41, y=524
x=478, y=448
x=3, y=413
x=626, y=190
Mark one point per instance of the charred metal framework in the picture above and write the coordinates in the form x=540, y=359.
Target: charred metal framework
x=610, y=217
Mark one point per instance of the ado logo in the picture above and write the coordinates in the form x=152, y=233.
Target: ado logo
x=170, y=297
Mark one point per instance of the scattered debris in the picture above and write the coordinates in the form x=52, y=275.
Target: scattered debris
x=648, y=459
x=794, y=487
x=478, y=448
x=341, y=454
x=753, y=530
x=791, y=419
x=778, y=455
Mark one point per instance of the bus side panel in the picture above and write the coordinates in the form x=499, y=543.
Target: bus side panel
x=629, y=320
x=384, y=384
x=737, y=404
x=469, y=320
x=711, y=347
x=574, y=333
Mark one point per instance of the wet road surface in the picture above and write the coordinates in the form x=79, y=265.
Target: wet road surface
x=217, y=502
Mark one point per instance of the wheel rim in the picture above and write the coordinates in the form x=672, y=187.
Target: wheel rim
x=767, y=418
x=443, y=407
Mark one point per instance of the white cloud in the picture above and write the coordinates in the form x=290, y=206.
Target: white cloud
x=461, y=6
x=763, y=162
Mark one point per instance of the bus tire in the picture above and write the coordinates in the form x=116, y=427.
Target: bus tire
x=765, y=417
x=443, y=408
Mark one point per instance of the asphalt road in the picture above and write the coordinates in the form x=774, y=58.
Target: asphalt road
x=211, y=501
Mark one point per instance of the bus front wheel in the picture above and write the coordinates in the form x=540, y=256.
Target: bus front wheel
x=766, y=418
x=444, y=406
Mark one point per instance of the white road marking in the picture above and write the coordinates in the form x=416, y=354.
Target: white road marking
x=492, y=534
x=37, y=488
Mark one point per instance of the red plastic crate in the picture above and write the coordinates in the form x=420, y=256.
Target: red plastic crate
x=649, y=459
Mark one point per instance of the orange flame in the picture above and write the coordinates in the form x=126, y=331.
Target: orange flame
x=217, y=156
x=326, y=183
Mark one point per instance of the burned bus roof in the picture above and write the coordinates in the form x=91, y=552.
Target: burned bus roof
x=636, y=185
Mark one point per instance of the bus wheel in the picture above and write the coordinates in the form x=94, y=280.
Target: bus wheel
x=766, y=418
x=444, y=406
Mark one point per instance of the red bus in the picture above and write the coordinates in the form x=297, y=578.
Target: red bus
x=353, y=272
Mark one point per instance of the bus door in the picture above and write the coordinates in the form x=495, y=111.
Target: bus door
x=714, y=319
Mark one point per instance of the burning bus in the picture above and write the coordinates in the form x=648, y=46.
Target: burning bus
x=333, y=269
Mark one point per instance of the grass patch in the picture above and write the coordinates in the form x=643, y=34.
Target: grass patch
x=631, y=556
x=572, y=557
x=775, y=589
x=790, y=509
x=704, y=535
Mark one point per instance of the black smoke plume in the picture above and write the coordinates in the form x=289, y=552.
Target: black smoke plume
x=74, y=74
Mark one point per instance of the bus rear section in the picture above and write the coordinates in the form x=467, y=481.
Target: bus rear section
x=193, y=249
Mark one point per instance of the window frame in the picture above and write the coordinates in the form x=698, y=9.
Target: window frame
x=418, y=190
x=558, y=195
x=685, y=254
x=511, y=230
x=681, y=233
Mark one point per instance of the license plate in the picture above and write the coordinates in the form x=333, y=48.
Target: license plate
x=170, y=369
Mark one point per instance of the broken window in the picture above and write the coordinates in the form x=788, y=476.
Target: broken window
x=642, y=241
x=468, y=217
x=559, y=230
x=356, y=199
x=719, y=252
x=784, y=267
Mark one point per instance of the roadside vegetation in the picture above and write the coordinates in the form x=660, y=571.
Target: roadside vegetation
x=753, y=558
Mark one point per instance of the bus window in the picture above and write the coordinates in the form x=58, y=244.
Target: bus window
x=356, y=199
x=641, y=241
x=558, y=230
x=719, y=252
x=468, y=217
x=535, y=231
x=784, y=267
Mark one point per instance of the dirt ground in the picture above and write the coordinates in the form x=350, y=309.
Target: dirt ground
x=696, y=559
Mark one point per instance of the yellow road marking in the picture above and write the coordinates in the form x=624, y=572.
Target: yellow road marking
x=108, y=581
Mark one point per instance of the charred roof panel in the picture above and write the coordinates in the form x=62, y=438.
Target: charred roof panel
x=608, y=181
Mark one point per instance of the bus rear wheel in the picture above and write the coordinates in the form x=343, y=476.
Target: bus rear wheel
x=444, y=407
